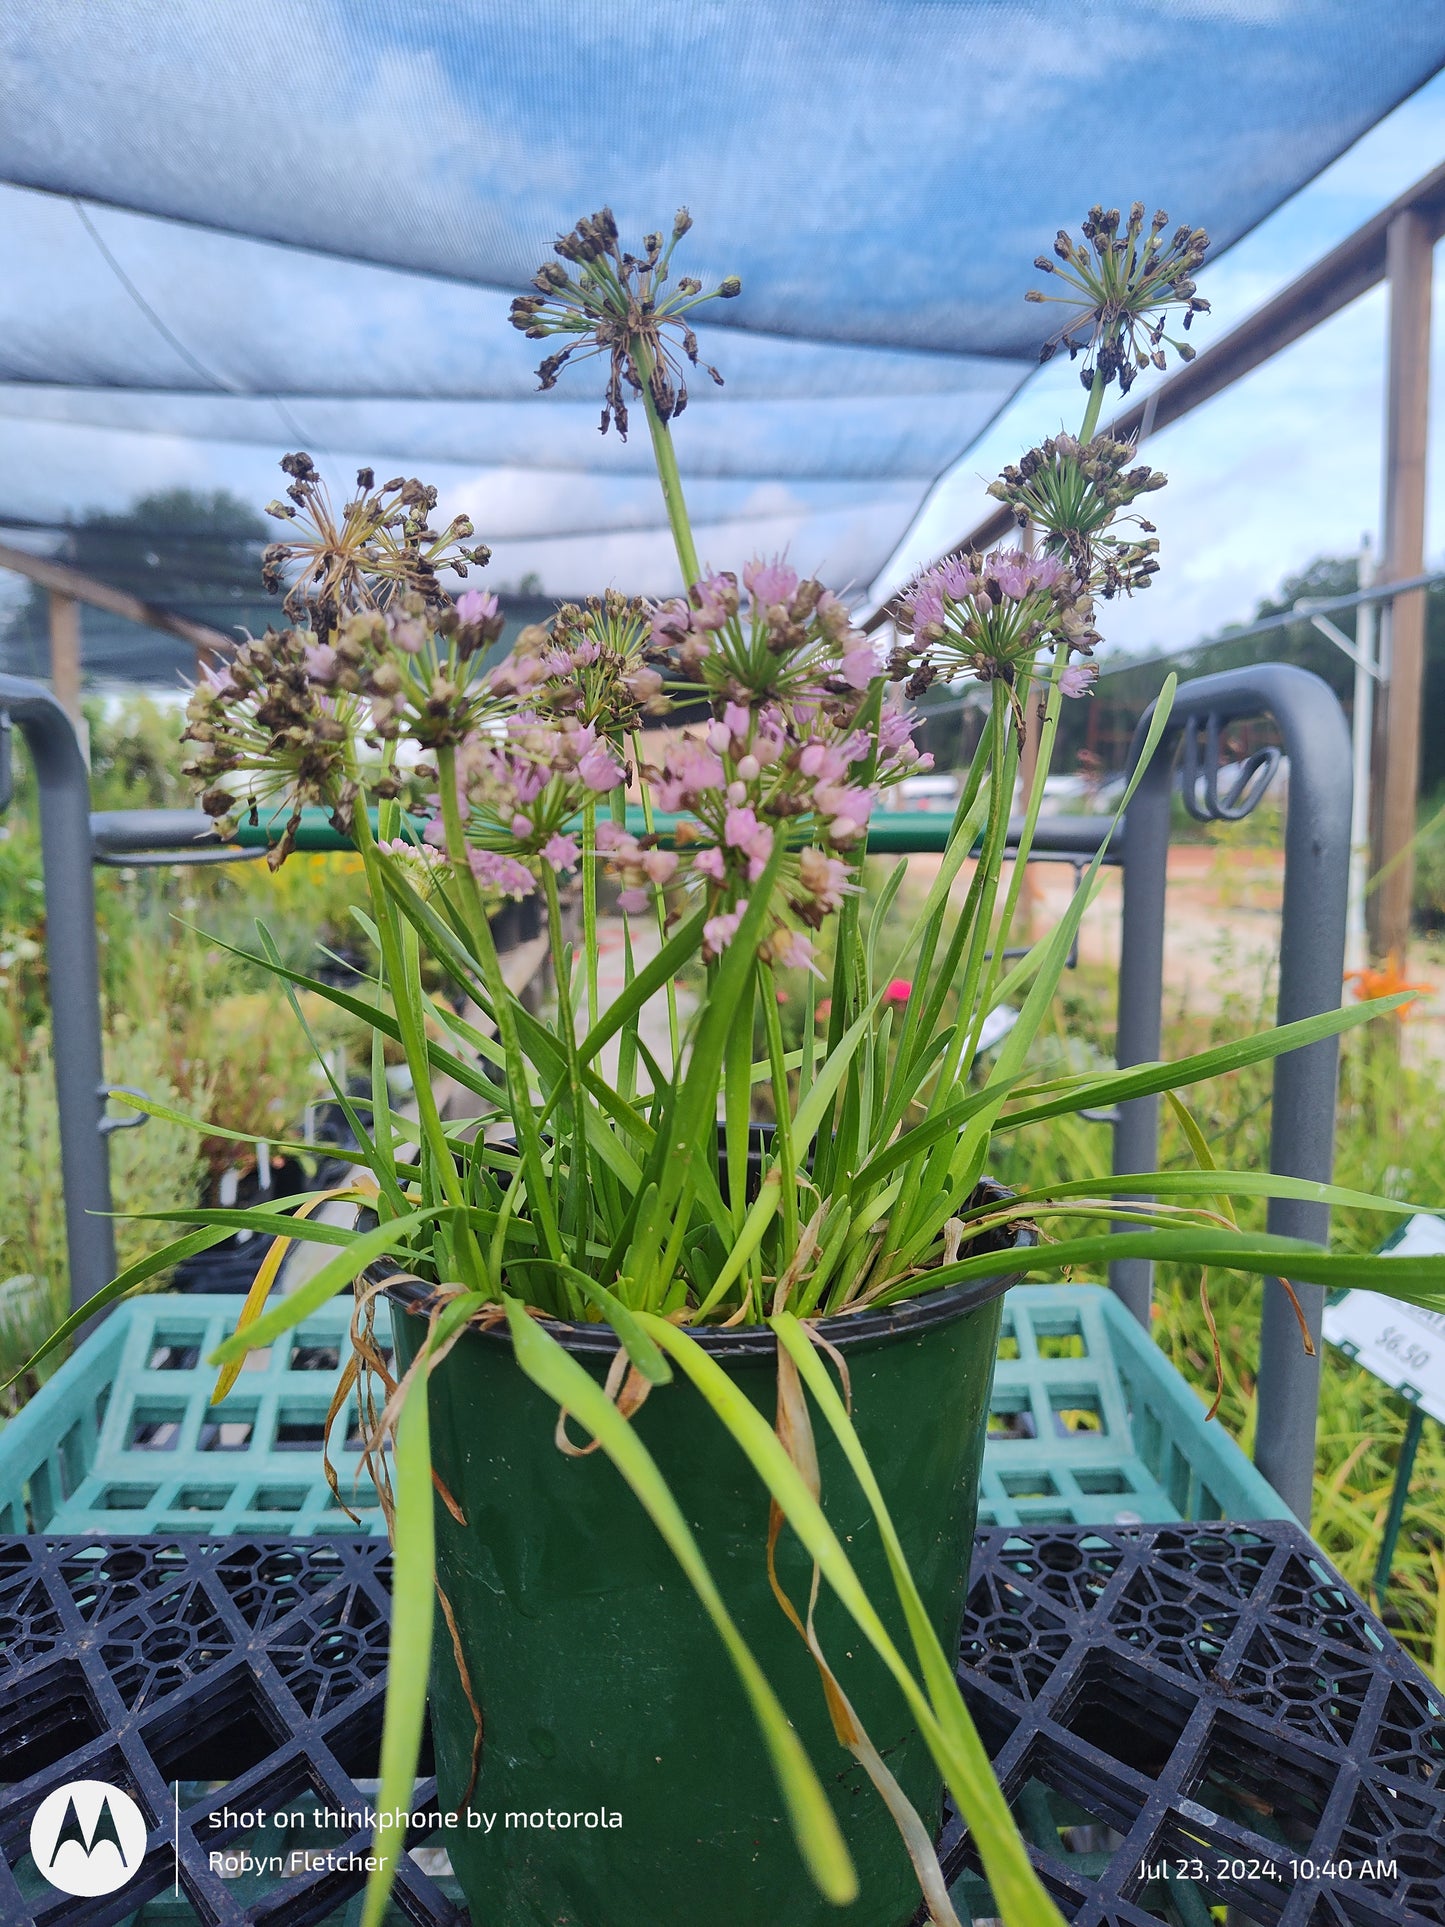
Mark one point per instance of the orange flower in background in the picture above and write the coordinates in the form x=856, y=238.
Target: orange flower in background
x=1386, y=980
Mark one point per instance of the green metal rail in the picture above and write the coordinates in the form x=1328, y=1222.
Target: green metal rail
x=890, y=832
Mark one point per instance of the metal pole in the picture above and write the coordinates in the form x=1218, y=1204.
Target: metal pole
x=1410, y=250
x=70, y=949
x=1311, y=967
x=1409, y=1445
x=1141, y=993
x=1302, y=1127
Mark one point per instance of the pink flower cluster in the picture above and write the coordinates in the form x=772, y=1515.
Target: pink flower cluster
x=784, y=947
x=517, y=675
x=586, y=666
x=961, y=596
x=751, y=838
x=519, y=793
x=792, y=642
x=640, y=867
x=822, y=885
x=989, y=615
x=477, y=608
x=507, y=875
x=758, y=774
x=785, y=761
x=691, y=772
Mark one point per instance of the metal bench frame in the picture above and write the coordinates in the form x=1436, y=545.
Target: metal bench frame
x=1316, y=741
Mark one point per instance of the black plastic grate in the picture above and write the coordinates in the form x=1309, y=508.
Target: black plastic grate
x=1152, y=1696
x=249, y=1671
x=1191, y=1715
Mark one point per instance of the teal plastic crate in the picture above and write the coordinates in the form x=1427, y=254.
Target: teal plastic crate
x=1089, y=1423
x=123, y=1438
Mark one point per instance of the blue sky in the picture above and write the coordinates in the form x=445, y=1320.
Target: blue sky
x=1284, y=466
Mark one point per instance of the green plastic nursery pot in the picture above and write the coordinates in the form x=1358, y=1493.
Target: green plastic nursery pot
x=622, y=1777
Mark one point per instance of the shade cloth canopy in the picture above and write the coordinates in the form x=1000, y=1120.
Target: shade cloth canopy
x=236, y=230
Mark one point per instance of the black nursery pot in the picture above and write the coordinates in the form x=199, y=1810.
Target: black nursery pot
x=231, y=1266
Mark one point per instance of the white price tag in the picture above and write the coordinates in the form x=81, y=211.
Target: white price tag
x=1401, y=1344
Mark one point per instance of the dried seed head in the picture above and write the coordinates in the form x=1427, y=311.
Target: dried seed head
x=628, y=314
x=1123, y=287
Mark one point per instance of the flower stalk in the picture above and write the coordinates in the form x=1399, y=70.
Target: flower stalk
x=503, y=1011
x=668, y=474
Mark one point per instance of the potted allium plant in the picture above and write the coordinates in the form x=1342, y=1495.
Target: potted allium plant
x=775, y=1320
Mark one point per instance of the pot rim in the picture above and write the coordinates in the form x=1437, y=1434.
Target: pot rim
x=846, y=1330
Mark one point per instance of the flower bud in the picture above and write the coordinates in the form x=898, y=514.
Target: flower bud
x=643, y=685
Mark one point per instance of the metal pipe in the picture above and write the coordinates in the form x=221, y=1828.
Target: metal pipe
x=1361, y=652
x=1311, y=967
x=1141, y=991
x=70, y=949
x=144, y=832
x=121, y=835
x=1302, y=1127
x=153, y=839
x=1400, y=1491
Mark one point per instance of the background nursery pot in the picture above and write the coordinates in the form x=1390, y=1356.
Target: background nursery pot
x=604, y=1688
